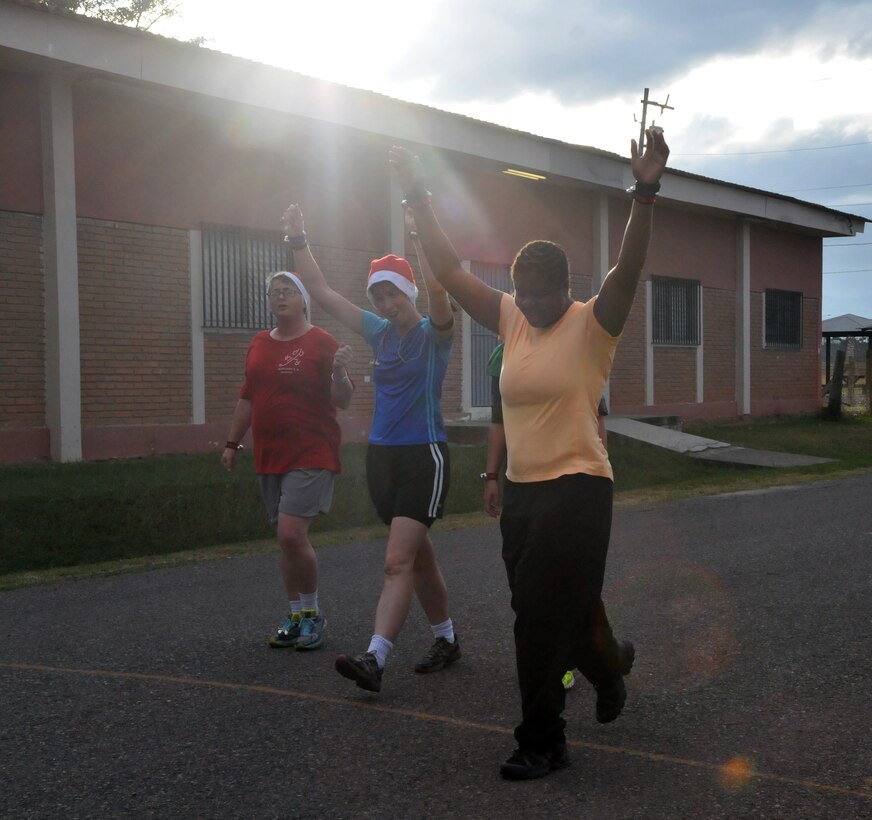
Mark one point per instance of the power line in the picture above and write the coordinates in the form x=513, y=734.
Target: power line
x=828, y=188
x=846, y=244
x=778, y=151
x=857, y=270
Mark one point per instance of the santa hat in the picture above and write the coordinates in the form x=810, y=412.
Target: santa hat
x=397, y=271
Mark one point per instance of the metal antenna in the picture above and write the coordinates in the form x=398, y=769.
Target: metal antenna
x=645, y=103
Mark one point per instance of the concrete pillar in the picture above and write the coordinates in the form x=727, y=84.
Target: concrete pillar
x=63, y=360
x=198, y=346
x=743, y=318
x=649, y=343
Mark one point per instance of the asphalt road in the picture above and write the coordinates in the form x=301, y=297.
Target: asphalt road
x=155, y=695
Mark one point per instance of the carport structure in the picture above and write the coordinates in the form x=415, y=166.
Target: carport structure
x=842, y=327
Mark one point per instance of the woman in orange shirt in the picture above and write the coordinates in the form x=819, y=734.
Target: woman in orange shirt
x=557, y=499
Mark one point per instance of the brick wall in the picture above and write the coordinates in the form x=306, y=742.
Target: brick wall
x=224, y=354
x=135, y=317
x=674, y=374
x=22, y=322
x=785, y=381
x=719, y=352
x=627, y=382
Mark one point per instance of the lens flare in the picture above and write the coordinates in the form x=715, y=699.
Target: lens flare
x=683, y=616
x=736, y=773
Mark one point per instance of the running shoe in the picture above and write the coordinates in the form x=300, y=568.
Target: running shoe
x=440, y=655
x=362, y=669
x=525, y=764
x=287, y=634
x=312, y=628
x=568, y=679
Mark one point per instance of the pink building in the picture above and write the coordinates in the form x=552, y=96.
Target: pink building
x=141, y=184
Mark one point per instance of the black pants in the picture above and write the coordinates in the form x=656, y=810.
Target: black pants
x=555, y=542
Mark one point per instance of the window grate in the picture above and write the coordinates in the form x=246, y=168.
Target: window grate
x=675, y=311
x=236, y=263
x=783, y=319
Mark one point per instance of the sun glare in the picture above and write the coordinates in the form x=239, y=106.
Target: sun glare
x=337, y=40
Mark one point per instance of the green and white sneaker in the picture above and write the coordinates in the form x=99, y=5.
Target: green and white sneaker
x=568, y=679
x=312, y=628
x=287, y=634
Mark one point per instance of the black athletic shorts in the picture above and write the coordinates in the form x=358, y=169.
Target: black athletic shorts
x=408, y=480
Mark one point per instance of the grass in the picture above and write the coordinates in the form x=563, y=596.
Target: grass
x=58, y=516
x=69, y=520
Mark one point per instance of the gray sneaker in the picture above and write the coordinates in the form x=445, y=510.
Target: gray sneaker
x=286, y=635
x=311, y=631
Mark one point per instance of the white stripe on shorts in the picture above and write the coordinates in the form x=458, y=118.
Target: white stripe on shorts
x=438, y=479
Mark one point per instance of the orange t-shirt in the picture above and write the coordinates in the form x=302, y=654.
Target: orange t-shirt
x=551, y=383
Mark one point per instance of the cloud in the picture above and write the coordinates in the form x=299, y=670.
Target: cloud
x=494, y=50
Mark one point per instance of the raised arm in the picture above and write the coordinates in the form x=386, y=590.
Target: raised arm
x=619, y=288
x=441, y=316
x=479, y=300
x=307, y=269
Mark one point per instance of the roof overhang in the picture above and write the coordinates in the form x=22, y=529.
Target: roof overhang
x=36, y=40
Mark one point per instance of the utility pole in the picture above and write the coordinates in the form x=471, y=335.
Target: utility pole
x=645, y=103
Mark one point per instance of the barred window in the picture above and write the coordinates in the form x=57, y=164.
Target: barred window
x=783, y=319
x=236, y=263
x=675, y=311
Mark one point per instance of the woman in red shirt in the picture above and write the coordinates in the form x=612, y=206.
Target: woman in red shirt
x=295, y=378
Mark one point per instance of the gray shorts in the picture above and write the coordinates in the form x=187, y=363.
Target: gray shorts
x=304, y=493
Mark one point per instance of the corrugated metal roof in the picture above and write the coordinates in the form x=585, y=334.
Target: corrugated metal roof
x=848, y=324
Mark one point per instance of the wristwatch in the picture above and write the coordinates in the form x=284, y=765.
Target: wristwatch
x=489, y=477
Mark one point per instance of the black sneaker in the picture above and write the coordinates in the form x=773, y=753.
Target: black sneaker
x=362, y=669
x=558, y=757
x=525, y=764
x=440, y=655
x=610, y=699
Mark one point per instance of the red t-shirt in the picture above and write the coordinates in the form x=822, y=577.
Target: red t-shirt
x=293, y=419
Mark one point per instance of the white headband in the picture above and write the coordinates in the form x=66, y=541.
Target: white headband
x=299, y=285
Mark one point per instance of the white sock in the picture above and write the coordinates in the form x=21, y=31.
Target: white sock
x=381, y=647
x=295, y=608
x=309, y=601
x=444, y=630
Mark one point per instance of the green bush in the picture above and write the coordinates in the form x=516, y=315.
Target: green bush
x=66, y=515
x=61, y=515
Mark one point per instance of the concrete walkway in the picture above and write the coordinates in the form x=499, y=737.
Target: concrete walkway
x=704, y=448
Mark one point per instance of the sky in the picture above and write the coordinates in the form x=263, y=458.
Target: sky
x=774, y=95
